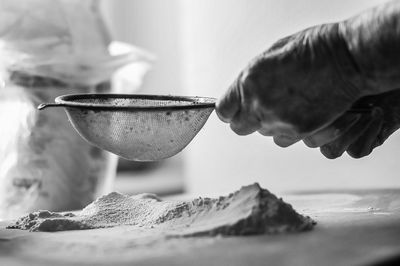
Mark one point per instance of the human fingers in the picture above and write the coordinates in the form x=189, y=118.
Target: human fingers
x=364, y=145
x=229, y=104
x=337, y=147
x=332, y=131
x=244, y=123
x=285, y=141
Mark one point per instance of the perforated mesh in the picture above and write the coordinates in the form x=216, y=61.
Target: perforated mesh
x=141, y=135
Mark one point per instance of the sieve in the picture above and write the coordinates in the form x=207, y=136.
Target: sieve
x=136, y=127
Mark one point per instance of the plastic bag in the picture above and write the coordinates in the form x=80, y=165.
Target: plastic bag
x=49, y=48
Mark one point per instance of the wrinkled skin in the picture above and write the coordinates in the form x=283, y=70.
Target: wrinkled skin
x=289, y=91
x=310, y=87
x=360, y=132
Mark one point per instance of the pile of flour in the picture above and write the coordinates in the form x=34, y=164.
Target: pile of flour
x=251, y=210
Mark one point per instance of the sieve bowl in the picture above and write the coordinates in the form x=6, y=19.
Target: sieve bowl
x=135, y=126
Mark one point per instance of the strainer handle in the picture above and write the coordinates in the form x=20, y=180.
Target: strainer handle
x=45, y=105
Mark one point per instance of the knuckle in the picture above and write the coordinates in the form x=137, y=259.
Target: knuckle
x=248, y=78
x=380, y=139
x=249, y=87
x=280, y=43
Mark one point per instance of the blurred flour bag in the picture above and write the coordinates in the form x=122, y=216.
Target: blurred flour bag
x=49, y=48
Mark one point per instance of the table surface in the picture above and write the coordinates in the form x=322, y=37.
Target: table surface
x=354, y=228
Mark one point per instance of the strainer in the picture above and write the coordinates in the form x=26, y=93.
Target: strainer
x=136, y=127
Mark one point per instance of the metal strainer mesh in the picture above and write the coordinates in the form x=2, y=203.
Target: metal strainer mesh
x=137, y=127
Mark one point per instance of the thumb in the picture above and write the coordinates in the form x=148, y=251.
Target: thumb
x=229, y=104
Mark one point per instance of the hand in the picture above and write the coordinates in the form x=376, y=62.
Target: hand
x=303, y=87
x=301, y=84
x=359, y=133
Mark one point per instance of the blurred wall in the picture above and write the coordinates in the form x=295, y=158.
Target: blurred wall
x=153, y=25
x=202, y=46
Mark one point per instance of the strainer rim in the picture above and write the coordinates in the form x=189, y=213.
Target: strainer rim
x=66, y=101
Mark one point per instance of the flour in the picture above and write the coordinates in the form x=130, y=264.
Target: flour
x=251, y=210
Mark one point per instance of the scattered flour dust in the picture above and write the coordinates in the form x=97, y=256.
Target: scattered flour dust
x=251, y=210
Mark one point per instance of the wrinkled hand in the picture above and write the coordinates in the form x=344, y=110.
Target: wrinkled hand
x=302, y=88
x=359, y=133
x=298, y=86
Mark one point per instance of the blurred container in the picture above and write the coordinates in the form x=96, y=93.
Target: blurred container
x=44, y=163
x=50, y=48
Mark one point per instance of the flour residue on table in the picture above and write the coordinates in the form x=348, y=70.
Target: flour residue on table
x=251, y=210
